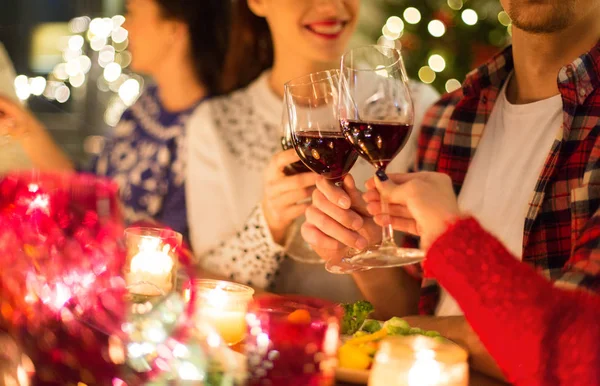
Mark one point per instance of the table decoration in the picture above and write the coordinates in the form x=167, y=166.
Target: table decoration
x=419, y=361
x=151, y=267
x=223, y=306
x=292, y=340
x=64, y=297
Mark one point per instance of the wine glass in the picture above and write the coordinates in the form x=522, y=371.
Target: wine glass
x=295, y=247
x=312, y=104
x=376, y=115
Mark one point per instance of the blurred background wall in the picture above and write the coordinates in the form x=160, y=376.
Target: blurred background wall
x=72, y=61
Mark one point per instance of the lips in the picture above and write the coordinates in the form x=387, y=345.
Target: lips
x=328, y=29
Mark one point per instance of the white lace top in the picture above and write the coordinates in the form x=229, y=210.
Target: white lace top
x=230, y=142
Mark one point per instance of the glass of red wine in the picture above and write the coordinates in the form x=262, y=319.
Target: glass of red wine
x=312, y=104
x=295, y=247
x=376, y=115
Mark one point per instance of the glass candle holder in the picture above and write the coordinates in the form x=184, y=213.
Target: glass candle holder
x=151, y=266
x=292, y=341
x=223, y=305
x=419, y=361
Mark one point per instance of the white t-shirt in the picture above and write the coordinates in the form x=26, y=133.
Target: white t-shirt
x=231, y=139
x=504, y=171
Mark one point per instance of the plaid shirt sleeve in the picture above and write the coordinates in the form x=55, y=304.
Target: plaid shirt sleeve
x=583, y=268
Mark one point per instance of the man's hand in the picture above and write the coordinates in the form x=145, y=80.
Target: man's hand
x=421, y=203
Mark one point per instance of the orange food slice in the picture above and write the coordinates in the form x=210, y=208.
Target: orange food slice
x=300, y=317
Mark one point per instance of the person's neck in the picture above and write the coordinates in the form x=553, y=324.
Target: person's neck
x=539, y=57
x=286, y=69
x=179, y=88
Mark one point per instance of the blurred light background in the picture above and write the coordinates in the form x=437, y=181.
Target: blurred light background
x=72, y=61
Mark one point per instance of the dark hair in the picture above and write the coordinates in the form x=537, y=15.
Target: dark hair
x=208, y=22
x=250, y=49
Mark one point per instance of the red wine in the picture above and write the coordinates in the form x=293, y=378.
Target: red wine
x=328, y=154
x=295, y=168
x=377, y=142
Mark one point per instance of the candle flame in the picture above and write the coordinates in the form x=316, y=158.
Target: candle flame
x=426, y=371
x=151, y=258
x=217, y=298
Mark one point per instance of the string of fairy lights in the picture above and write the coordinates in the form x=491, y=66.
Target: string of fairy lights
x=395, y=27
x=104, y=40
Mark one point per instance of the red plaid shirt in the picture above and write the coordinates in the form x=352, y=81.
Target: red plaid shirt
x=562, y=226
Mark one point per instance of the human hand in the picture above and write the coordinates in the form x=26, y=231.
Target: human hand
x=15, y=120
x=337, y=220
x=285, y=197
x=422, y=204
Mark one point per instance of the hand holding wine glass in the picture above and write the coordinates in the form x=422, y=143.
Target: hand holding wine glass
x=422, y=204
x=285, y=197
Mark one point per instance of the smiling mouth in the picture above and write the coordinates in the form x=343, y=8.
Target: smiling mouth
x=327, y=29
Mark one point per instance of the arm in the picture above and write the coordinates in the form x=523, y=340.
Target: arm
x=539, y=334
x=393, y=292
x=251, y=256
x=33, y=137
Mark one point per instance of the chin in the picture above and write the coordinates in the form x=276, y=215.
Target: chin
x=546, y=17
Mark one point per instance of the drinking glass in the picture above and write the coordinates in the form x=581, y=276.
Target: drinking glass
x=295, y=247
x=312, y=104
x=292, y=340
x=376, y=115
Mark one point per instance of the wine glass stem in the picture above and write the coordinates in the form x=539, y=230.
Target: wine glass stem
x=387, y=232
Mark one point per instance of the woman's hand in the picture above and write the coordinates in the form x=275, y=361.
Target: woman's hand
x=286, y=197
x=15, y=120
x=422, y=204
x=337, y=220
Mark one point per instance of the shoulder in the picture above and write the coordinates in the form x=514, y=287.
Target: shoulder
x=238, y=103
x=234, y=124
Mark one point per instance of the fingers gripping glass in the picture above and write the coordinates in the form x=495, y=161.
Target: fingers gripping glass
x=376, y=115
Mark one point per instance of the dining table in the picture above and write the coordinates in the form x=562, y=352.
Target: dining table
x=475, y=379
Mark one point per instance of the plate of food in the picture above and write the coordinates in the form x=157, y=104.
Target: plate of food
x=361, y=337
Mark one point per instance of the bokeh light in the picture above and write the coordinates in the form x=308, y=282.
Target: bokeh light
x=395, y=25
x=452, y=85
x=112, y=72
x=426, y=75
x=455, y=4
x=412, y=15
x=436, y=28
x=436, y=63
x=503, y=18
x=37, y=85
x=469, y=16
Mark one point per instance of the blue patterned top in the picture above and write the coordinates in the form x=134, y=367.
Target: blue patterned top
x=146, y=157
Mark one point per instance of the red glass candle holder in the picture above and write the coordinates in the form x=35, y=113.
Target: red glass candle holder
x=292, y=341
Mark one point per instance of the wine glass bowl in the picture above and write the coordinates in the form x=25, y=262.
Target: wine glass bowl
x=312, y=103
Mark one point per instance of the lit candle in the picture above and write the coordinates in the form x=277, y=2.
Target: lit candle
x=151, y=266
x=419, y=361
x=223, y=306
